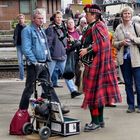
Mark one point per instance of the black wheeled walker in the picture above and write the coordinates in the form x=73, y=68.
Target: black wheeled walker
x=47, y=118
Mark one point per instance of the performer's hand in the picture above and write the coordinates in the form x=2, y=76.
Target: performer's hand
x=83, y=52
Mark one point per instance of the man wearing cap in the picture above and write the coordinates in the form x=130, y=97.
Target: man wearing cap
x=99, y=80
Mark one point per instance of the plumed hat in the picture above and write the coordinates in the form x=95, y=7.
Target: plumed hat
x=92, y=8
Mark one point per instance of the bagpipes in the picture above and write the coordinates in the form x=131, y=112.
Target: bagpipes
x=88, y=58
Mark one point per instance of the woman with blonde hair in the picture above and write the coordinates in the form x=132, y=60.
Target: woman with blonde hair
x=126, y=41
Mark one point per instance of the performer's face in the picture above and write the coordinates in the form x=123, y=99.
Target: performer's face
x=90, y=17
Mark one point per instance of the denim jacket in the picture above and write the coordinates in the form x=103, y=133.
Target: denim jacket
x=32, y=45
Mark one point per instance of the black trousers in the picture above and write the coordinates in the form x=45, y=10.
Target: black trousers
x=30, y=86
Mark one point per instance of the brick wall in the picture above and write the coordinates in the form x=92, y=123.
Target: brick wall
x=5, y=25
x=9, y=9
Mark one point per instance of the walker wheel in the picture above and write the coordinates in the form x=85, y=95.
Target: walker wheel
x=44, y=133
x=27, y=128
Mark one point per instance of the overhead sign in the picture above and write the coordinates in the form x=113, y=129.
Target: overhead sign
x=86, y=2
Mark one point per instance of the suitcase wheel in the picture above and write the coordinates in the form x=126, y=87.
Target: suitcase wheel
x=44, y=133
x=28, y=128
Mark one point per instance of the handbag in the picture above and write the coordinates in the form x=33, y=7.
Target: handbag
x=17, y=122
x=88, y=58
x=69, y=70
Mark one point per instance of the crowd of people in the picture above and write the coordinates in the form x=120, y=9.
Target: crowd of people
x=95, y=66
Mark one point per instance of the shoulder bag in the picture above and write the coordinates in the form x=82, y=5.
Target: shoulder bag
x=136, y=35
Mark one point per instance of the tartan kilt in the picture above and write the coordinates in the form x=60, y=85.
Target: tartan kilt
x=100, y=86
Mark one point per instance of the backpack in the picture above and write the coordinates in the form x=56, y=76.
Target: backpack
x=17, y=122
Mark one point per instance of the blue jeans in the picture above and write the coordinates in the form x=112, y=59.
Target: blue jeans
x=61, y=65
x=20, y=62
x=131, y=75
x=55, y=76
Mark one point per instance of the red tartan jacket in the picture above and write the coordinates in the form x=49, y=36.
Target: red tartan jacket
x=100, y=84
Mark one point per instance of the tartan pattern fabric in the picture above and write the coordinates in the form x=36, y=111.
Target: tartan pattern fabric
x=99, y=80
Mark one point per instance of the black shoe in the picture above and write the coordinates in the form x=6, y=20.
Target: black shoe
x=65, y=110
x=57, y=86
x=91, y=127
x=75, y=93
x=102, y=124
